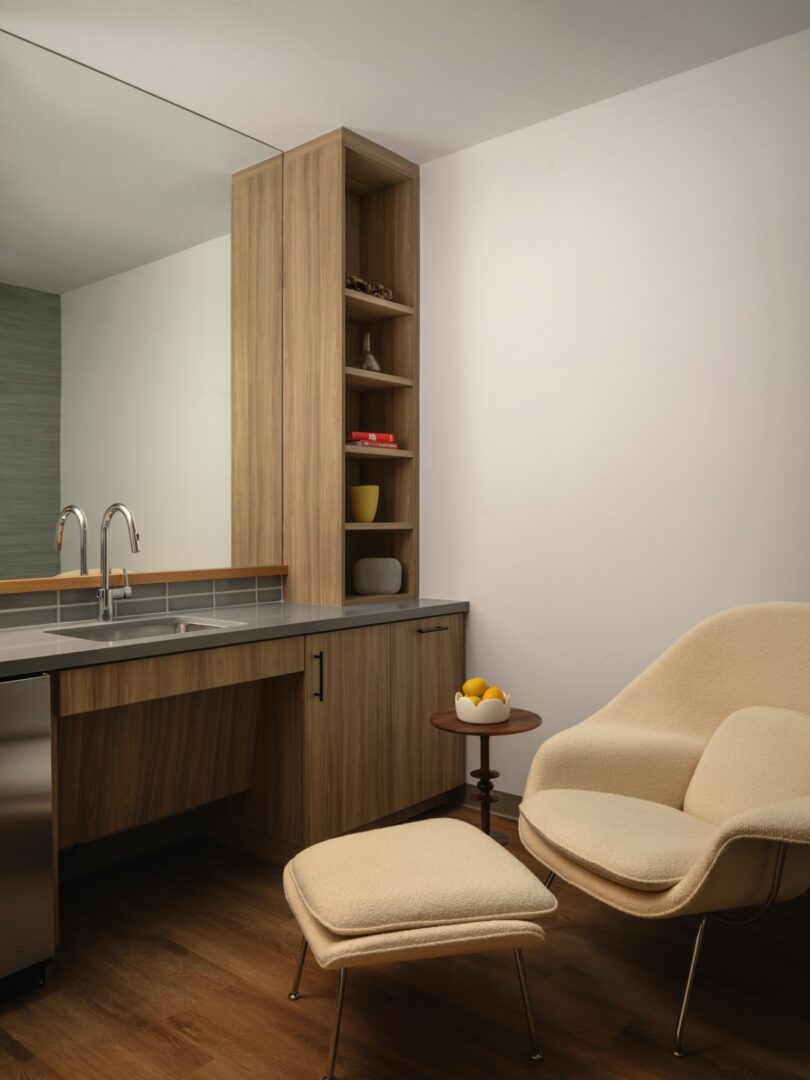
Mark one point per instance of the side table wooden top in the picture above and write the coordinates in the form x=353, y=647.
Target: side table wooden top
x=519, y=720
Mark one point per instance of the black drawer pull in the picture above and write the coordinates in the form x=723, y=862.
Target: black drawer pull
x=433, y=630
x=319, y=692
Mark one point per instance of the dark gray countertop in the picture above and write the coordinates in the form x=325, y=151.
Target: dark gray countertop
x=33, y=649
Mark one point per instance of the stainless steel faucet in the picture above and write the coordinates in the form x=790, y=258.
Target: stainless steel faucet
x=81, y=517
x=105, y=594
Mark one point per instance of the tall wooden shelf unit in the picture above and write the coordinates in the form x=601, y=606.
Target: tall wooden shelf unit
x=351, y=207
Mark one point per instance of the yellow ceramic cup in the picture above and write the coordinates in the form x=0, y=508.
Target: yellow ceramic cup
x=364, y=499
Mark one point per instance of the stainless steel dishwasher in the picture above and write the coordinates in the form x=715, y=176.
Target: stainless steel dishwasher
x=27, y=903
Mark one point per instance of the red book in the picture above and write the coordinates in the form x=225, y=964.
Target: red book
x=371, y=436
x=373, y=442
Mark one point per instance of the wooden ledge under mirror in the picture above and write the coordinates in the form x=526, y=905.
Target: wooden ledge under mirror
x=75, y=580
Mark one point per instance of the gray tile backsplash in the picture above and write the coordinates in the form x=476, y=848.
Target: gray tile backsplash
x=79, y=605
x=234, y=599
x=77, y=612
x=190, y=588
x=26, y=617
x=15, y=601
x=124, y=608
x=190, y=603
x=238, y=584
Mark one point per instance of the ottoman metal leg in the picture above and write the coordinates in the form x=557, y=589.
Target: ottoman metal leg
x=295, y=993
x=341, y=990
x=536, y=1053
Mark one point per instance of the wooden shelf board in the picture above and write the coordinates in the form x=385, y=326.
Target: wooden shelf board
x=374, y=452
x=359, y=379
x=377, y=526
x=376, y=598
x=364, y=308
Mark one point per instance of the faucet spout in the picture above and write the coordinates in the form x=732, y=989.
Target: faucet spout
x=106, y=595
x=81, y=517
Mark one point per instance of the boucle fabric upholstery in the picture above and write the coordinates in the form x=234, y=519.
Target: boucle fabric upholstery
x=437, y=872
x=647, y=741
x=335, y=951
x=757, y=756
x=745, y=669
x=639, y=843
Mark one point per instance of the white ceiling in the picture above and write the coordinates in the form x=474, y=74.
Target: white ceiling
x=96, y=177
x=423, y=76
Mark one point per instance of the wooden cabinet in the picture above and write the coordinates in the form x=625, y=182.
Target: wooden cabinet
x=351, y=207
x=369, y=749
x=427, y=664
x=346, y=745
x=317, y=735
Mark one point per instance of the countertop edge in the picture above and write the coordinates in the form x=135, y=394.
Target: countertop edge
x=343, y=619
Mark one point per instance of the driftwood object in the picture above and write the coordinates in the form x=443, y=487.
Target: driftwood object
x=361, y=285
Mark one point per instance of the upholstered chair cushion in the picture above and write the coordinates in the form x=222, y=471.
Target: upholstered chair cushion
x=427, y=873
x=758, y=755
x=644, y=845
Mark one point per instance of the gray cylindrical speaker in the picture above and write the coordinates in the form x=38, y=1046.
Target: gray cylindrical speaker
x=381, y=577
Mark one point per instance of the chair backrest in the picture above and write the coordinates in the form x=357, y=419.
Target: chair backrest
x=758, y=654
x=757, y=756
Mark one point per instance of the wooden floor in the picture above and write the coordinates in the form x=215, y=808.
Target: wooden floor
x=178, y=964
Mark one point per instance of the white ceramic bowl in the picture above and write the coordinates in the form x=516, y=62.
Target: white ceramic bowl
x=491, y=711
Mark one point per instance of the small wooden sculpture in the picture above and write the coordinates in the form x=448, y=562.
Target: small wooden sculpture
x=368, y=361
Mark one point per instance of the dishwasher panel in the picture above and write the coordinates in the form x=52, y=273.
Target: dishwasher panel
x=27, y=935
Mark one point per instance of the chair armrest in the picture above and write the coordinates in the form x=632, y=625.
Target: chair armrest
x=598, y=756
x=786, y=822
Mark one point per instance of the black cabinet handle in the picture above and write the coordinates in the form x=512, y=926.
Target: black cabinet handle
x=433, y=630
x=319, y=692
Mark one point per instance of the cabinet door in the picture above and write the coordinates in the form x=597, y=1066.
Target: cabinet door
x=347, y=752
x=427, y=667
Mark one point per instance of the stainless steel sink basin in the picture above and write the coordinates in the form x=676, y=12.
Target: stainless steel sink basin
x=132, y=629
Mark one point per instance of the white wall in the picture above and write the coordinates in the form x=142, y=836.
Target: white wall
x=146, y=409
x=616, y=378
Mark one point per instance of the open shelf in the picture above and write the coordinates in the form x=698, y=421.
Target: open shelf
x=373, y=526
x=375, y=598
x=375, y=452
x=361, y=380
x=364, y=308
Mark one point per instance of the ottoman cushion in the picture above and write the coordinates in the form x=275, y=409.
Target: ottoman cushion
x=334, y=951
x=438, y=872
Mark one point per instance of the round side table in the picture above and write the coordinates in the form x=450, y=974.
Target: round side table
x=520, y=720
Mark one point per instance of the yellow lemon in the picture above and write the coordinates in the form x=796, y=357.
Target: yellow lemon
x=473, y=698
x=495, y=692
x=474, y=687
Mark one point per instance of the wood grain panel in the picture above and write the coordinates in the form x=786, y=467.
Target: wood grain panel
x=313, y=370
x=105, y=686
x=426, y=670
x=346, y=780
x=273, y=807
x=256, y=363
x=123, y=767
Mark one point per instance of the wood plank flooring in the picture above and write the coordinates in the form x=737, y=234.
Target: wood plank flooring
x=177, y=965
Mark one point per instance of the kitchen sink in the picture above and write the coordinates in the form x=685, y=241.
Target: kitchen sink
x=133, y=629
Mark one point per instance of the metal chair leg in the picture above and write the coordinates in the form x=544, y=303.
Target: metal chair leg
x=550, y=879
x=295, y=993
x=678, y=1049
x=341, y=990
x=536, y=1053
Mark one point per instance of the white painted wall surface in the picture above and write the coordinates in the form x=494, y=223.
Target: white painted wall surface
x=616, y=378
x=146, y=409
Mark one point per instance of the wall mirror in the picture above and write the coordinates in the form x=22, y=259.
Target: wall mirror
x=115, y=318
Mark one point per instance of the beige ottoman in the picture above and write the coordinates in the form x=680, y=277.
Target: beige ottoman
x=428, y=888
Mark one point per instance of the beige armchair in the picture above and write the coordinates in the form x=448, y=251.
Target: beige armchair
x=689, y=792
